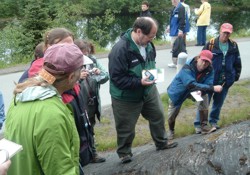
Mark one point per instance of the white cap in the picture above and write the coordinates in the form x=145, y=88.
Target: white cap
x=87, y=60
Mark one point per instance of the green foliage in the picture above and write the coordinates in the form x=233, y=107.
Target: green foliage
x=99, y=28
x=70, y=16
x=96, y=20
x=235, y=3
x=34, y=24
x=11, y=37
x=9, y=8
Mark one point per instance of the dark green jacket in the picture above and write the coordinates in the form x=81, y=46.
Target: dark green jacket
x=125, y=69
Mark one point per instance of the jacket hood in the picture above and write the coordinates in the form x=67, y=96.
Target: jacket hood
x=37, y=93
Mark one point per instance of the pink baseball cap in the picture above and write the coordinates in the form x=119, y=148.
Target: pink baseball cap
x=62, y=58
x=226, y=27
x=206, y=55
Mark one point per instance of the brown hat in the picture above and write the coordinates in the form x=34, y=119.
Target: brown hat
x=206, y=55
x=62, y=58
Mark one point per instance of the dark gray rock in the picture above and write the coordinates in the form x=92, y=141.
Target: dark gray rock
x=224, y=152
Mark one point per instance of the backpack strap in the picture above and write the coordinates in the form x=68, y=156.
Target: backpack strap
x=211, y=44
x=232, y=41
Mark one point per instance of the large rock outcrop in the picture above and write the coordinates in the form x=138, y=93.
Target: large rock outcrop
x=224, y=152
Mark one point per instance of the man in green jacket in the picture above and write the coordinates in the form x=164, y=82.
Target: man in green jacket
x=39, y=120
x=132, y=94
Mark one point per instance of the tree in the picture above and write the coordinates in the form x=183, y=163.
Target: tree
x=35, y=22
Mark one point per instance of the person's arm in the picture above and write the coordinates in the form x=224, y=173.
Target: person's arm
x=237, y=64
x=188, y=11
x=102, y=73
x=181, y=19
x=189, y=80
x=199, y=11
x=119, y=71
x=4, y=167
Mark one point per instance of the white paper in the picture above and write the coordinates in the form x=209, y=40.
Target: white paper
x=158, y=74
x=197, y=95
x=11, y=147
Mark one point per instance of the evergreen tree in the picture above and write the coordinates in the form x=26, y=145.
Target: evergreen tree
x=34, y=23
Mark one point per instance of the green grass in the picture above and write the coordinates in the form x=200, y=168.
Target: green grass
x=159, y=42
x=235, y=111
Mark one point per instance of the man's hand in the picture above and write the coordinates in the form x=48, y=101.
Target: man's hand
x=146, y=82
x=218, y=88
x=84, y=74
x=96, y=71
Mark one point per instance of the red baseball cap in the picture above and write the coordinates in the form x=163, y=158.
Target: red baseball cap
x=62, y=58
x=226, y=27
x=206, y=55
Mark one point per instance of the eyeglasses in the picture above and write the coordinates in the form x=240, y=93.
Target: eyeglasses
x=150, y=37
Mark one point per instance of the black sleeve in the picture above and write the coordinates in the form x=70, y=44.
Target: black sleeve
x=119, y=69
x=181, y=18
x=237, y=64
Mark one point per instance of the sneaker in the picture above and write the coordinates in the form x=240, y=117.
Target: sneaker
x=172, y=65
x=126, y=159
x=170, y=135
x=168, y=145
x=98, y=159
x=197, y=130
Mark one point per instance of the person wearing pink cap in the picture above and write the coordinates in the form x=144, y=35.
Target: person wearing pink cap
x=227, y=67
x=196, y=75
x=39, y=120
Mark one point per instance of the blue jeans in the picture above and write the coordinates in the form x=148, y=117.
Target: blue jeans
x=201, y=35
x=218, y=100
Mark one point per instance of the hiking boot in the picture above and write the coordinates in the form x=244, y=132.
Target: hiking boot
x=206, y=129
x=168, y=145
x=170, y=135
x=172, y=65
x=98, y=159
x=126, y=158
x=197, y=130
